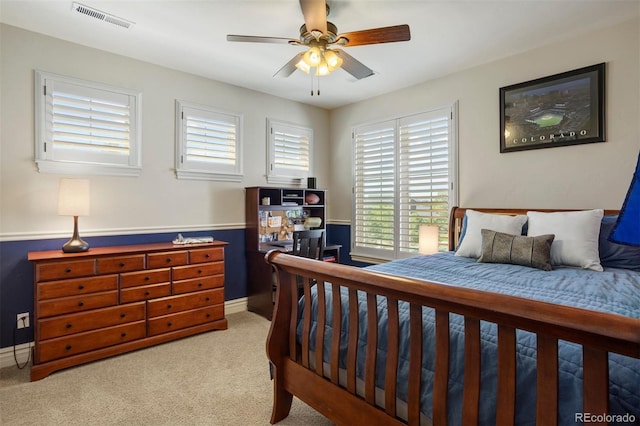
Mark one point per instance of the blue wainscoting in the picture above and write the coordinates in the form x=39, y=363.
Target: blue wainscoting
x=16, y=272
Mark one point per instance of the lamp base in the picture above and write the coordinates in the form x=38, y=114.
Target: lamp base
x=75, y=244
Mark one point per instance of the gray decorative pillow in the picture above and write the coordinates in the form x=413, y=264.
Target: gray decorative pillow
x=498, y=247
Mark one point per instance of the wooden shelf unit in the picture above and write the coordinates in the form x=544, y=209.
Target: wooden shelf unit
x=259, y=275
x=111, y=300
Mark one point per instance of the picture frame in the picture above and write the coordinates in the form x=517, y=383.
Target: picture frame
x=557, y=110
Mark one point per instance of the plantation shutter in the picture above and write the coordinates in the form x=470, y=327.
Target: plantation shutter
x=88, y=124
x=423, y=176
x=290, y=150
x=375, y=189
x=83, y=127
x=208, y=145
x=403, y=177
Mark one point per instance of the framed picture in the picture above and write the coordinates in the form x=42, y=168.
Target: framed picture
x=558, y=110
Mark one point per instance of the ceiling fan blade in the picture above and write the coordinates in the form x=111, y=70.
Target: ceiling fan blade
x=259, y=39
x=353, y=66
x=315, y=14
x=289, y=67
x=376, y=35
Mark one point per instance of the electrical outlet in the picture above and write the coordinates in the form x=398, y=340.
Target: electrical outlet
x=23, y=320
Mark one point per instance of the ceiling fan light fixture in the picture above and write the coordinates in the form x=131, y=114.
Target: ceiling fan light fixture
x=313, y=56
x=333, y=60
x=323, y=68
x=303, y=66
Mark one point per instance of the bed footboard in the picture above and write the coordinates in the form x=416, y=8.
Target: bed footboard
x=303, y=373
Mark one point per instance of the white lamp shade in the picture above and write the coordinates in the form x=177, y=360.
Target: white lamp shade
x=73, y=197
x=428, y=239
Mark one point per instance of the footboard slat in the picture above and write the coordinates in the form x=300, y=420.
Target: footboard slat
x=391, y=369
x=547, y=378
x=293, y=348
x=415, y=363
x=335, y=336
x=320, y=326
x=352, y=345
x=596, y=381
x=471, y=391
x=441, y=376
x=306, y=323
x=506, y=399
x=372, y=349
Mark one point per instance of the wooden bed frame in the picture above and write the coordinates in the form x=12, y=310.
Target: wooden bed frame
x=296, y=375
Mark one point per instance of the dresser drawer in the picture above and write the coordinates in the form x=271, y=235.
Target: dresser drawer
x=133, y=279
x=206, y=255
x=185, y=319
x=85, y=321
x=169, y=258
x=195, y=284
x=201, y=270
x=66, y=269
x=135, y=294
x=76, y=287
x=172, y=304
x=67, y=305
x=113, y=264
x=84, y=342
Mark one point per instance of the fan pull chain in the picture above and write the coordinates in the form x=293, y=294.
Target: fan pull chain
x=311, y=73
x=318, y=84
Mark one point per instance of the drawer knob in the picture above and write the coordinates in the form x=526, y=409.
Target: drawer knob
x=207, y=299
x=199, y=284
x=146, y=293
x=207, y=255
x=68, y=347
x=199, y=271
x=122, y=315
x=80, y=303
x=80, y=287
x=168, y=259
x=122, y=264
x=67, y=270
x=169, y=324
x=69, y=325
x=169, y=306
x=123, y=334
x=147, y=278
x=208, y=315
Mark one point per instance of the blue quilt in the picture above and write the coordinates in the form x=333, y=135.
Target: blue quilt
x=614, y=290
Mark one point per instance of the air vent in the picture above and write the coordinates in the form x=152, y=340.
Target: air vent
x=98, y=14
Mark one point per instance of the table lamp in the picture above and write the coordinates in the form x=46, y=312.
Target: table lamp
x=627, y=228
x=73, y=200
x=428, y=237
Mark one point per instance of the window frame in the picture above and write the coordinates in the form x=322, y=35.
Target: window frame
x=200, y=170
x=94, y=164
x=284, y=175
x=377, y=255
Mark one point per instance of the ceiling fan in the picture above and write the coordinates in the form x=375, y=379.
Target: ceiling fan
x=323, y=40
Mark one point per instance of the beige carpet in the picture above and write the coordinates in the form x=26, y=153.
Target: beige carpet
x=216, y=378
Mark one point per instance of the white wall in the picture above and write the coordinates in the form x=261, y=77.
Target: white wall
x=156, y=199
x=579, y=176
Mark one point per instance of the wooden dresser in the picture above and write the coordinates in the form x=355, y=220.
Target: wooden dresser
x=111, y=300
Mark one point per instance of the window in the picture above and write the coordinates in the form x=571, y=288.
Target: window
x=86, y=128
x=208, y=143
x=288, y=152
x=404, y=176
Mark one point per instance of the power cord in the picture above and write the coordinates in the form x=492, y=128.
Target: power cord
x=15, y=356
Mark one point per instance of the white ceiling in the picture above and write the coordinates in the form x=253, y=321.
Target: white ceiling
x=446, y=36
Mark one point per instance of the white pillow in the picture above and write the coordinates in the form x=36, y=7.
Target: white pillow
x=577, y=233
x=471, y=245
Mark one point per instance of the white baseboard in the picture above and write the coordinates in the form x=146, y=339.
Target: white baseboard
x=22, y=351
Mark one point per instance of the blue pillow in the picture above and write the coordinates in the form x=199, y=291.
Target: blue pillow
x=613, y=255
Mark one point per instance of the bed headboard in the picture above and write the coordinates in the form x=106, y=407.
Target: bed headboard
x=457, y=214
